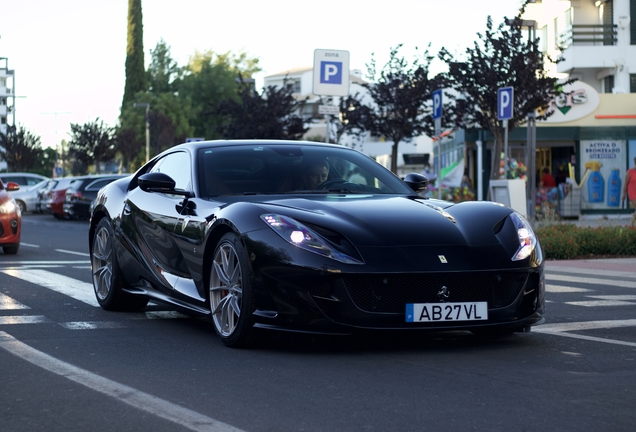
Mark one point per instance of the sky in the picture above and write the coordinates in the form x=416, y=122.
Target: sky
x=69, y=55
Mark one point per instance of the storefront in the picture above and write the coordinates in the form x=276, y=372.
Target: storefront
x=589, y=143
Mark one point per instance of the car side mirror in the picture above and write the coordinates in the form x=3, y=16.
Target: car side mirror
x=11, y=186
x=160, y=182
x=416, y=181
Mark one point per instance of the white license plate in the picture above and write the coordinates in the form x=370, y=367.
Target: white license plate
x=439, y=312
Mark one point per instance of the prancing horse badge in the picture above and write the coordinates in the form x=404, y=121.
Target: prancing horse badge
x=442, y=259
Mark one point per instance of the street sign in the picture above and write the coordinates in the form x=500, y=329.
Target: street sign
x=437, y=104
x=505, y=103
x=331, y=73
x=328, y=109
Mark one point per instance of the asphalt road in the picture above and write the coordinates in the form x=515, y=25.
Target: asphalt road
x=68, y=365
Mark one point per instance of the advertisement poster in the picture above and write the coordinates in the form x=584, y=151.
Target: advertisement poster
x=602, y=168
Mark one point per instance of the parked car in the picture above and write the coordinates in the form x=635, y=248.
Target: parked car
x=56, y=197
x=10, y=219
x=21, y=178
x=272, y=235
x=27, y=197
x=82, y=191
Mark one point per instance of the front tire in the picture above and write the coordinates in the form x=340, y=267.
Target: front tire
x=232, y=300
x=108, y=282
x=10, y=250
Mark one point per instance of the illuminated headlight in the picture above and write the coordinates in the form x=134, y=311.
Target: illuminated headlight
x=526, y=236
x=8, y=207
x=299, y=235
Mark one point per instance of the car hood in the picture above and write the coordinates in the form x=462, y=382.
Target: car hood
x=397, y=220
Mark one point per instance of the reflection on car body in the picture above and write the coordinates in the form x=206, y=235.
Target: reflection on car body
x=228, y=229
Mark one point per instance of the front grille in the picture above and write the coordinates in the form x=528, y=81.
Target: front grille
x=390, y=293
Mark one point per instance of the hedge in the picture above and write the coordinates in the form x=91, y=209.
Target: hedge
x=567, y=241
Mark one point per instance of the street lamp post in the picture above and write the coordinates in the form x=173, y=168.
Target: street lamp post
x=147, y=106
x=56, y=152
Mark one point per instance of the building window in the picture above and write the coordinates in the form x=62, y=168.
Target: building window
x=294, y=85
x=3, y=120
x=608, y=84
x=632, y=83
x=632, y=22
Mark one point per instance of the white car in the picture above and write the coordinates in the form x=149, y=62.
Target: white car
x=30, y=184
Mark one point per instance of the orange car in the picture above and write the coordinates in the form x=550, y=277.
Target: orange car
x=10, y=219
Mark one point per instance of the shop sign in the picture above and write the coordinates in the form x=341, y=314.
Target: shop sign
x=577, y=101
x=602, y=173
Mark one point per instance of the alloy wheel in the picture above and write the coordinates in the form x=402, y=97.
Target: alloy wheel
x=226, y=291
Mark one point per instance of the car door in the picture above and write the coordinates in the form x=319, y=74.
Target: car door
x=149, y=220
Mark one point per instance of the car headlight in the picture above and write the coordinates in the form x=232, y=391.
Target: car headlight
x=300, y=236
x=8, y=206
x=525, y=234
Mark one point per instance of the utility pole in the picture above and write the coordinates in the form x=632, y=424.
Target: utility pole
x=57, y=156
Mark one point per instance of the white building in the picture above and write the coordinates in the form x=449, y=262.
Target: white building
x=301, y=81
x=599, y=37
x=7, y=100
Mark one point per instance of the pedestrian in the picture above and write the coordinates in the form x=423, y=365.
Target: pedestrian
x=629, y=190
x=547, y=181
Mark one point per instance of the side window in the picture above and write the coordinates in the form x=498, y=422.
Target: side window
x=98, y=184
x=177, y=166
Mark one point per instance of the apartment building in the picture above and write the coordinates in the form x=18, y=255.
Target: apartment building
x=6, y=95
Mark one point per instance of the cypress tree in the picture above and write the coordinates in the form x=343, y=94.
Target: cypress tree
x=135, y=72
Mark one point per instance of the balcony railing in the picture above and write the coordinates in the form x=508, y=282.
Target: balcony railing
x=588, y=34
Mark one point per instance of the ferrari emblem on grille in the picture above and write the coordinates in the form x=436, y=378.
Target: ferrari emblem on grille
x=442, y=259
x=443, y=294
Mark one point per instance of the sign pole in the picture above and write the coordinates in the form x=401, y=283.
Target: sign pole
x=505, y=125
x=437, y=117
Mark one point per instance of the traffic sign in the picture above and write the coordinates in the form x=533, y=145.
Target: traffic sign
x=328, y=109
x=437, y=104
x=505, y=103
x=331, y=72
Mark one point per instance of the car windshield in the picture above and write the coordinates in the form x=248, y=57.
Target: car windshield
x=302, y=169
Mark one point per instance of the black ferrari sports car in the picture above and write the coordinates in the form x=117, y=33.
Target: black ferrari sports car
x=309, y=237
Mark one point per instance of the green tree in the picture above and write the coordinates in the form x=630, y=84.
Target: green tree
x=91, y=144
x=209, y=79
x=130, y=150
x=270, y=115
x=500, y=57
x=163, y=70
x=20, y=149
x=45, y=163
x=398, y=102
x=135, y=72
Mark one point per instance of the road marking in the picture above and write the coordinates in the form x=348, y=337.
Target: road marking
x=600, y=303
x=73, y=252
x=613, y=297
x=575, y=279
x=91, y=325
x=29, y=319
x=584, y=325
x=562, y=329
x=74, y=288
x=122, y=393
x=29, y=245
x=564, y=289
x=7, y=303
x=43, y=263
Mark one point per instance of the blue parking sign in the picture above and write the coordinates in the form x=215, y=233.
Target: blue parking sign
x=505, y=103
x=330, y=72
x=437, y=104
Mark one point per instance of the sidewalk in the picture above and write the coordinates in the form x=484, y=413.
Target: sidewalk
x=627, y=265
x=595, y=221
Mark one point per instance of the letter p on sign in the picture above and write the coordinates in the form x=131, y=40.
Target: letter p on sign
x=505, y=103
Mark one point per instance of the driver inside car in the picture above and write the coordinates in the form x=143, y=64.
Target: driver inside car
x=315, y=174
